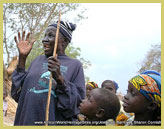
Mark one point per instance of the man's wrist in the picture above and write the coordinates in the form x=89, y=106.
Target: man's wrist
x=22, y=61
x=61, y=86
x=60, y=81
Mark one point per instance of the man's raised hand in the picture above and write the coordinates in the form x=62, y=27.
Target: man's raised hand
x=24, y=45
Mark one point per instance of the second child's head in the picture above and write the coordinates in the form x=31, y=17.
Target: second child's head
x=101, y=105
x=90, y=86
x=110, y=85
x=144, y=96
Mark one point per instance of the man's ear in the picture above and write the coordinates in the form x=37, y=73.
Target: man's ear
x=152, y=106
x=100, y=113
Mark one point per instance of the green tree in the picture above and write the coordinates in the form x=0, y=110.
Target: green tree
x=152, y=61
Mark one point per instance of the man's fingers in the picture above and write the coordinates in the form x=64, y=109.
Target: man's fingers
x=53, y=58
x=28, y=36
x=19, y=37
x=23, y=35
x=15, y=38
x=53, y=63
x=53, y=68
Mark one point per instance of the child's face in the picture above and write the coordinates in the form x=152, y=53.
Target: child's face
x=88, y=90
x=110, y=86
x=89, y=106
x=134, y=101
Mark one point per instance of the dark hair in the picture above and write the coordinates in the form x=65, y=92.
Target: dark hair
x=110, y=81
x=109, y=102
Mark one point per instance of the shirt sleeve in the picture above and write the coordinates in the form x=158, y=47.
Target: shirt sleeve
x=71, y=94
x=18, y=77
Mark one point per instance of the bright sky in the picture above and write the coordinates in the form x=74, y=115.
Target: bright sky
x=116, y=38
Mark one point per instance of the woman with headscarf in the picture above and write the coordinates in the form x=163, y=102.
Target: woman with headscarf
x=30, y=88
x=90, y=86
x=143, y=98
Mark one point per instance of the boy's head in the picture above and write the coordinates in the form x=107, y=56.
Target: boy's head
x=90, y=86
x=110, y=85
x=100, y=105
x=143, y=94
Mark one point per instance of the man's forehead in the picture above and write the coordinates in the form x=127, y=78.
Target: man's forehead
x=51, y=28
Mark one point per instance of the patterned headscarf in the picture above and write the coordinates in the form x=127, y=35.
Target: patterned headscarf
x=92, y=84
x=148, y=85
x=66, y=29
